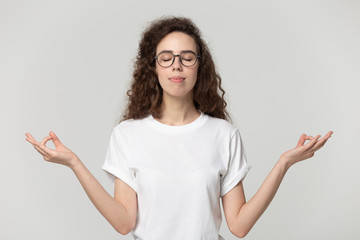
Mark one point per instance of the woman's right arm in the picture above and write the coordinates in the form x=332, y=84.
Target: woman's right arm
x=120, y=211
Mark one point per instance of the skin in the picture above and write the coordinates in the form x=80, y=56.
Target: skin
x=178, y=109
x=241, y=215
x=119, y=211
x=177, y=103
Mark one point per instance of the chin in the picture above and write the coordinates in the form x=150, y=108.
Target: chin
x=180, y=95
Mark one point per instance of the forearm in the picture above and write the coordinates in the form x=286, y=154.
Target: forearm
x=251, y=211
x=114, y=211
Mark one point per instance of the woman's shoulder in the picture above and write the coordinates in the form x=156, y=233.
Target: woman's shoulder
x=221, y=124
x=130, y=123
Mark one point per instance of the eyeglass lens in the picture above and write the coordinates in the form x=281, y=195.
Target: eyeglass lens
x=166, y=59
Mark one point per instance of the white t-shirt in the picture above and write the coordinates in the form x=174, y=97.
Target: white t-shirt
x=179, y=174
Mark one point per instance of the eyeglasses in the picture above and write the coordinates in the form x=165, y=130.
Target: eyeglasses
x=167, y=58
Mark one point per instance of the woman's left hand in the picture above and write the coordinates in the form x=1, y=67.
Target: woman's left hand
x=304, y=151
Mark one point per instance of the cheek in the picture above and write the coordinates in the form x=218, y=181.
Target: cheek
x=196, y=69
x=195, y=73
x=161, y=77
x=160, y=72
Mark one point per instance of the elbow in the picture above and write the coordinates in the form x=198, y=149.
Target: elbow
x=124, y=229
x=121, y=230
x=240, y=233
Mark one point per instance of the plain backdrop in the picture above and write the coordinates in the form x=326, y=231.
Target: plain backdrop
x=288, y=67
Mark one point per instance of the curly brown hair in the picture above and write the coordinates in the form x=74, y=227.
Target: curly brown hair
x=145, y=94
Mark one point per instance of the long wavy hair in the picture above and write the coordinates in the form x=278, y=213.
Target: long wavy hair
x=145, y=94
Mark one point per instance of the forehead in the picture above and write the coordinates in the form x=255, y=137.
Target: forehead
x=176, y=42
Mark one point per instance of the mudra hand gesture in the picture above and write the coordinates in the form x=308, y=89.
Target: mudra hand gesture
x=60, y=154
x=305, y=150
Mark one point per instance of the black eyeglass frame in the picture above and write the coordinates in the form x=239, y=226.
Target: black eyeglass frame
x=177, y=55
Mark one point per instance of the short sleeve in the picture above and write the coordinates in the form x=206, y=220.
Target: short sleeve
x=115, y=163
x=237, y=165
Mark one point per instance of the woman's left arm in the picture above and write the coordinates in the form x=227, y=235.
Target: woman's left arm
x=241, y=215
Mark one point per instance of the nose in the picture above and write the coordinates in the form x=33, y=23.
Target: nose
x=177, y=64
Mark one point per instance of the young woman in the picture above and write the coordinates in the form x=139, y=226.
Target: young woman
x=175, y=154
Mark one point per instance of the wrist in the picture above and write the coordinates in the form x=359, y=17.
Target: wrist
x=284, y=163
x=75, y=164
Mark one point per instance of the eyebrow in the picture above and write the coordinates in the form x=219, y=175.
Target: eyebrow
x=183, y=51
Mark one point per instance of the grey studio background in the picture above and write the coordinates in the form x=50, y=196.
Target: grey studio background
x=288, y=67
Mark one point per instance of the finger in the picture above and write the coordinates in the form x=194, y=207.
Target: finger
x=322, y=141
x=32, y=141
x=44, y=141
x=302, y=140
x=36, y=145
x=48, y=151
x=319, y=145
x=326, y=137
x=55, y=139
x=329, y=134
x=30, y=137
x=42, y=152
x=309, y=137
x=312, y=142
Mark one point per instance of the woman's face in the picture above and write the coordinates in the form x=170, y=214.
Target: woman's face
x=177, y=80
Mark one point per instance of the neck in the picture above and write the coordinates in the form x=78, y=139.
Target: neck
x=176, y=112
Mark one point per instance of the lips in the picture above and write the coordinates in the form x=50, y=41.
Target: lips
x=176, y=79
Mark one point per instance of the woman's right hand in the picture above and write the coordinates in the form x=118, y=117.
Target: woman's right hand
x=60, y=154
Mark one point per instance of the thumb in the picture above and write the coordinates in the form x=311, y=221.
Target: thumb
x=55, y=139
x=301, y=140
